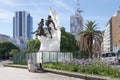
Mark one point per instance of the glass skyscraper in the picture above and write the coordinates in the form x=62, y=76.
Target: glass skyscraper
x=22, y=25
x=22, y=28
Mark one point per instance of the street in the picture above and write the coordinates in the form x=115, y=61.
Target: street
x=9, y=73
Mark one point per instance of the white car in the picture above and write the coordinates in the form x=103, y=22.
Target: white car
x=109, y=57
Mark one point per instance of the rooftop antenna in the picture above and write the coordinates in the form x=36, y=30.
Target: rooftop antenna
x=78, y=7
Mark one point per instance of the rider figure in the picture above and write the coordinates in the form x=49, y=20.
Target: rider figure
x=48, y=22
x=40, y=30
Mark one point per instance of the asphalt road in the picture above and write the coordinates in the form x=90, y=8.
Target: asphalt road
x=8, y=73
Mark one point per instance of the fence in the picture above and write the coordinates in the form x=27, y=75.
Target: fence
x=19, y=58
x=42, y=56
x=55, y=56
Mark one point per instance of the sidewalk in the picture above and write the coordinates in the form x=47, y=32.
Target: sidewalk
x=71, y=74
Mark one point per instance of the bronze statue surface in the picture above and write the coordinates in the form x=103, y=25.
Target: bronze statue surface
x=48, y=22
x=40, y=30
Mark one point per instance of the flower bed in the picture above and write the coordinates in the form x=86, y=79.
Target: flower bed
x=96, y=67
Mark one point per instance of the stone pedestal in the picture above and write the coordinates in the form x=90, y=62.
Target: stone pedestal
x=32, y=67
x=48, y=43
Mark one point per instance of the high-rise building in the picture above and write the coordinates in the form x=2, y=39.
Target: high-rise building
x=22, y=25
x=111, y=38
x=76, y=23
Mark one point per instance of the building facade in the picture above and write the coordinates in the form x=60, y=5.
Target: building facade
x=107, y=38
x=22, y=25
x=76, y=23
x=111, y=38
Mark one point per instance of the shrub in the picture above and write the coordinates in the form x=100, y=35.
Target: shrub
x=85, y=66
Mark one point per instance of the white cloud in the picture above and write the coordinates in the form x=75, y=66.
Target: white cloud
x=33, y=7
x=31, y=4
x=95, y=18
x=62, y=4
x=5, y=16
x=19, y=3
x=100, y=20
x=7, y=2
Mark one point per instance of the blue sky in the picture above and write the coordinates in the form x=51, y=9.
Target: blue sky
x=98, y=10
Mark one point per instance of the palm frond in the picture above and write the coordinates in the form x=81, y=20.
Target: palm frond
x=90, y=37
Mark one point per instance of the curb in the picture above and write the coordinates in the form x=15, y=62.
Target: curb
x=70, y=74
x=77, y=75
x=15, y=66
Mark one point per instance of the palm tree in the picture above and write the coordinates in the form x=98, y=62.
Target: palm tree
x=90, y=37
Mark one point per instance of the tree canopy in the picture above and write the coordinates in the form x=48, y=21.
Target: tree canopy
x=33, y=45
x=6, y=47
x=90, y=37
x=68, y=42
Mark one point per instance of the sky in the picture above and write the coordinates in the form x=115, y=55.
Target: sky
x=96, y=10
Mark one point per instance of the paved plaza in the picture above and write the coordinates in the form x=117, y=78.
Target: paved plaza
x=8, y=73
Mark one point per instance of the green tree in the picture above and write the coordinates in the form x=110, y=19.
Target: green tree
x=68, y=42
x=90, y=37
x=13, y=51
x=6, y=47
x=33, y=45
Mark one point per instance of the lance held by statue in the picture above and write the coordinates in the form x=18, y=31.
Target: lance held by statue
x=40, y=31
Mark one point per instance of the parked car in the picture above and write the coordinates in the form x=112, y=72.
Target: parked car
x=109, y=57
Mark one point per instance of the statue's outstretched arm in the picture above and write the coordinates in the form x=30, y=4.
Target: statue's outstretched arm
x=34, y=32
